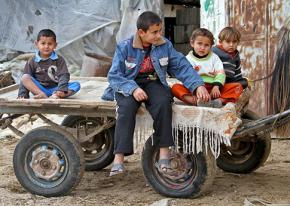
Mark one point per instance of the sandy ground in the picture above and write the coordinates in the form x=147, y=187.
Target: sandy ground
x=270, y=182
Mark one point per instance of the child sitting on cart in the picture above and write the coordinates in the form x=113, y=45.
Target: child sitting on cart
x=46, y=74
x=138, y=74
x=211, y=69
x=226, y=50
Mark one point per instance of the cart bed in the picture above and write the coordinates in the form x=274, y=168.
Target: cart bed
x=86, y=102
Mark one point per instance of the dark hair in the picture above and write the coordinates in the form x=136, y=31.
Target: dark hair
x=147, y=19
x=229, y=34
x=202, y=32
x=46, y=33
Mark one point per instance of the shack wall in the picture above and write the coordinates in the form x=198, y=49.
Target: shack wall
x=259, y=22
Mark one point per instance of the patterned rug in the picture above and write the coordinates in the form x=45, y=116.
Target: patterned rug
x=194, y=128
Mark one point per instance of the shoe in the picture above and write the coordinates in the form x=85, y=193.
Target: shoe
x=216, y=103
x=164, y=167
x=117, y=169
x=203, y=104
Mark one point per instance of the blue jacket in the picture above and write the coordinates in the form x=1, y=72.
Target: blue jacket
x=129, y=56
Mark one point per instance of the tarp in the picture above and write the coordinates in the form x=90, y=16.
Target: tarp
x=80, y=25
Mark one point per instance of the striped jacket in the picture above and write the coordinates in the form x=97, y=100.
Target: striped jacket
x=232, y=66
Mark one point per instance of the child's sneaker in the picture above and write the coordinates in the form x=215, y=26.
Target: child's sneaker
x=216, y=103
x=203, y=104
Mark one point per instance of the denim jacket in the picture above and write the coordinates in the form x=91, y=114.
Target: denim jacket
x=127, y=61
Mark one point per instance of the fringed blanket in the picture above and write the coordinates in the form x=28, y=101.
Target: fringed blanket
x=194, y=128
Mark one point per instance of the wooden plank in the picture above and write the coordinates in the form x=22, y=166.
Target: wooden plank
x=97, y=79
x=87, y=112
x=9, y=88
x=62, y=102
x=87, y=100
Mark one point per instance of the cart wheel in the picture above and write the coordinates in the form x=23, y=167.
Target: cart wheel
x=245, y=156
x=192, y=174
x=48, y=162
x=99, y=150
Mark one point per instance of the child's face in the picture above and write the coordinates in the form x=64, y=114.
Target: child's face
x=201, y=45
x=45, y=45
x=229, y=45
x=152, y=35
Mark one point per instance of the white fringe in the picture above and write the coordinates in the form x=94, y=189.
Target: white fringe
x=198, y=131
x=143, y=129
x=194, y=138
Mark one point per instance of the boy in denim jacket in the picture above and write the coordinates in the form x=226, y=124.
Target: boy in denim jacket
x=138, y=74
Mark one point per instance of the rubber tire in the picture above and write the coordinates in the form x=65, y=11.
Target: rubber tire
x=66, y=143
x=260, y=150
x=206, y=170
x=104, y=160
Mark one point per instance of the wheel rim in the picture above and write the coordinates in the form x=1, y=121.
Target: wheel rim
x=99, y=144
x=239, y=151
x=46, y=164
x=184, y=170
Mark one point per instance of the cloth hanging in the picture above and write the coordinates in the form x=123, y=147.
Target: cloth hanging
x=193, y=128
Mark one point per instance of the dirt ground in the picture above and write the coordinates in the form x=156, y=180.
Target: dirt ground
x=270, y=182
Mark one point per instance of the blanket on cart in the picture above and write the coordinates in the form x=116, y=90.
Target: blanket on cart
x=194, y=128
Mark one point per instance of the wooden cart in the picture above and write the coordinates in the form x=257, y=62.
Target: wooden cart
x=50, y=160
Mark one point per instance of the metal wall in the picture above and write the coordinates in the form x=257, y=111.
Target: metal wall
x=258, y=21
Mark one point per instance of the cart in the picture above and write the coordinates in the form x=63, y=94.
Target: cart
x=50, y=160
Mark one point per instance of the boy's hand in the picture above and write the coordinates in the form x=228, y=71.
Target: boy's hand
x=140, y=95
x=202, y=94
x=215, y=92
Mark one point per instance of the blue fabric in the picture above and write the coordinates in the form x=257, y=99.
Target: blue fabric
x=165, y=59
x=38, y=58
x=74, y=86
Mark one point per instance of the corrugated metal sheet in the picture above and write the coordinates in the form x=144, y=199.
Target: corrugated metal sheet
x=250, y=18
x=258, y=21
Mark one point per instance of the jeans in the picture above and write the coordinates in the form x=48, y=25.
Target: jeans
x=160, y=108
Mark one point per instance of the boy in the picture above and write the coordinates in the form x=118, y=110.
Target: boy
x=226, y=49
x=46, y=74
x=138, y=74
x=209, y=67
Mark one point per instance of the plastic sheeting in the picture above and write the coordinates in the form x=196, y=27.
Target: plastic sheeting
x=21, y=20
x=131, y=9
x=80, y=25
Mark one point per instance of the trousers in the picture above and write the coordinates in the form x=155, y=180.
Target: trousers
x=159, y=105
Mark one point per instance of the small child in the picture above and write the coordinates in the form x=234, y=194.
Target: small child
x=46, y=74
x=209, y=67
x=226, y=49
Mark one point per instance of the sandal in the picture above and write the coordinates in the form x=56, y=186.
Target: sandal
x=164, y=167
x=117, y=169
